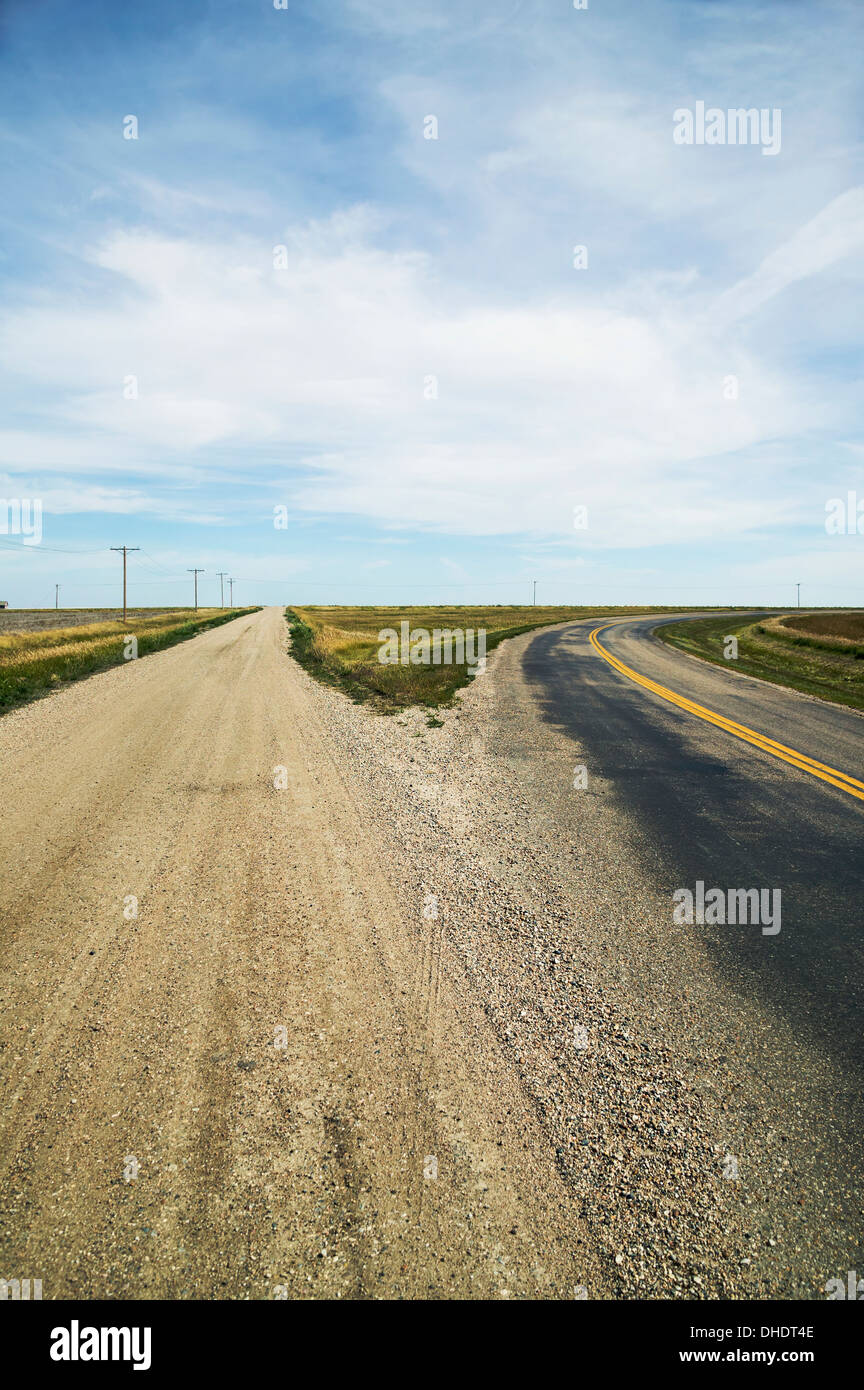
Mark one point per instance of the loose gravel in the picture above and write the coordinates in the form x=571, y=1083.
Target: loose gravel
x=676, y=1109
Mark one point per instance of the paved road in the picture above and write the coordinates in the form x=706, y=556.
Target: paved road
x=708, y=807
x=728, y=814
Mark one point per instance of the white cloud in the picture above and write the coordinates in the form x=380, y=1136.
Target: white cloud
x=833, y=234
x=541, y=404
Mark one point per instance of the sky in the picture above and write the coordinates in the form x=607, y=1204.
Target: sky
x=385, y=302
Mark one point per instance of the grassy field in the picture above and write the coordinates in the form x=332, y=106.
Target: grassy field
x=33, y=662
x=340, y=646
x=39, y=619
x=819, y=653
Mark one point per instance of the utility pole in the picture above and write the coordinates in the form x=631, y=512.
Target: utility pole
x=799, y=594
x=223, y=574
x=125, y=549
x=56, y=596
x=231, y=586
x=196, y=574
x=535, y=591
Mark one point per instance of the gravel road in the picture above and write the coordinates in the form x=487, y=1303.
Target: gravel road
x=398, y=1016
x=262, y=1085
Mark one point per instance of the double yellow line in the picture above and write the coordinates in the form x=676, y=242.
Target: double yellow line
x=768, y=745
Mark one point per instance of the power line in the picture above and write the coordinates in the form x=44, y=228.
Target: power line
x=54, y=549
x=297, y=580
x=174, y=573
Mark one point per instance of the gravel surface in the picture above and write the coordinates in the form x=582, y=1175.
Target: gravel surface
x=691, y=1125
x=410, y=1024
x=525, y=911
x=258, y=1083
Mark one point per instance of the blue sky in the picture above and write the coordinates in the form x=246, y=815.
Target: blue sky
x=421, y=377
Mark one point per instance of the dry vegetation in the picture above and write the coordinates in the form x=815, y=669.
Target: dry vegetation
x=41, y=619
x=32, y=662
x=340, y=645
x=830, y=630
x=818, y=653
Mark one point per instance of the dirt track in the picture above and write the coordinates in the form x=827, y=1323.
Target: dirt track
x=149, y=1044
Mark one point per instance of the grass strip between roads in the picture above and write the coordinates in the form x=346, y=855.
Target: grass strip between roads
x=32, y=663
x=817, y=653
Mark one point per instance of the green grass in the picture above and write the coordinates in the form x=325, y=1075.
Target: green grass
x=339, y=646
x=32, y=663
x=817, y=653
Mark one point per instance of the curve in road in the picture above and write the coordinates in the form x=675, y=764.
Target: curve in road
x=768, y=745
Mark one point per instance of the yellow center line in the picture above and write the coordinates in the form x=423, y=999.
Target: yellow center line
x=768, y=745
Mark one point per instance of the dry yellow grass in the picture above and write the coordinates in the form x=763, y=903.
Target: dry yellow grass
x=20, y=646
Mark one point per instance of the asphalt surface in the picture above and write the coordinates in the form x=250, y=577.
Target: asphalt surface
x=773, y=1021
x=727, y=814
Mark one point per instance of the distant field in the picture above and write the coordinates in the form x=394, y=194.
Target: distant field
x=340, y=646
x=36, y=619
x=818, y=653
x=833, y=631
x=41, y=658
